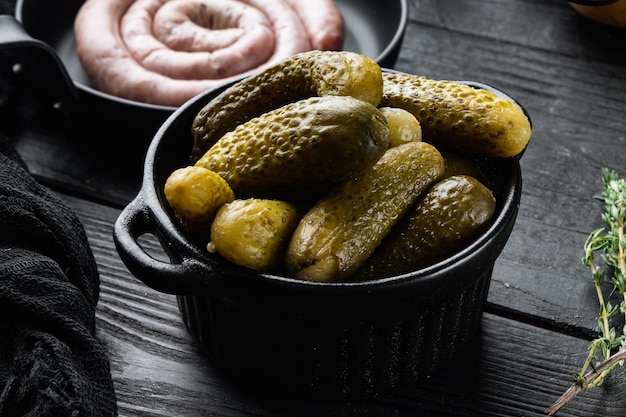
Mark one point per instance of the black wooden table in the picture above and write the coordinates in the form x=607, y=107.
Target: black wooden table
x=568, y=72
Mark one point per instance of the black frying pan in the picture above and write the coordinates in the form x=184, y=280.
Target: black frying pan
x=42, y=34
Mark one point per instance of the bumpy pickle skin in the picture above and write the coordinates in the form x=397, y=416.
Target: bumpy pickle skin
x=342, y=229
x=309, y=74
x=304, y=144
x=453, y=212
x=195, y=194
x=253, y=232
x=459, y=117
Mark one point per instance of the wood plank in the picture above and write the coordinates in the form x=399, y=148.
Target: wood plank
x=569, y=74
x=547, y=25
x=577, y=106
x=510, y=368
x=103, y=168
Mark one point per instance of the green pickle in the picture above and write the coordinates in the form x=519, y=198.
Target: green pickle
x=308, y=74
x=453, y=212
x=459, y=117
x=312, y=142
x=403, y=126
x=344, y=228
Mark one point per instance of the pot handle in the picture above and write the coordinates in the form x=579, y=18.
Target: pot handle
x=39, y=65
x=185, y=275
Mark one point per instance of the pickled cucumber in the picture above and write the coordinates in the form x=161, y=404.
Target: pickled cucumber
x=195, y=194
x=403, y=126
x=308, y=74
x=459, y=117
x=339, y=232
x=314, y=141
x=253, y=232
x=452, y=213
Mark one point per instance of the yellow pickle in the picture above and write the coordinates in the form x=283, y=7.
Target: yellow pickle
x=253, y=232
x=195, y=194
x=459, y=117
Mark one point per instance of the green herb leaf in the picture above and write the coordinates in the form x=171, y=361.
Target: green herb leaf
x=608, y=350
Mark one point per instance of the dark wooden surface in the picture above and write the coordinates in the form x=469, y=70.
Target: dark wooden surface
x=569, y=73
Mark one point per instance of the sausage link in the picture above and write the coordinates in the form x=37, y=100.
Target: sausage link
x=167, y=51
x=323, y=22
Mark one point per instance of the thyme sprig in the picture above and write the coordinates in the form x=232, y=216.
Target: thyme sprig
x=608, y=350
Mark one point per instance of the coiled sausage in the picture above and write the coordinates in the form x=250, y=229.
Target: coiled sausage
x=167, y=51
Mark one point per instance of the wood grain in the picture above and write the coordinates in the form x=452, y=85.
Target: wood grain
x=531, y=49
x=510, y=367
x=570, y=75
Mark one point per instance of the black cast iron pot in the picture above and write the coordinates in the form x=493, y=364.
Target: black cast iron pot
x=332, y=338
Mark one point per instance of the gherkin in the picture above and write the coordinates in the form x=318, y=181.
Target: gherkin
x=346, y=225
x=459, y=117
x=451, y=214
x=195, y=194
x=308, y=74
x=253, y=232
x=309, y=143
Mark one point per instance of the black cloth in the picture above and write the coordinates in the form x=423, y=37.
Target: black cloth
x=51, y=362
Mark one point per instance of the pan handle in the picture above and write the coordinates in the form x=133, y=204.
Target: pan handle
x=182, y=275
x=40, y=66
